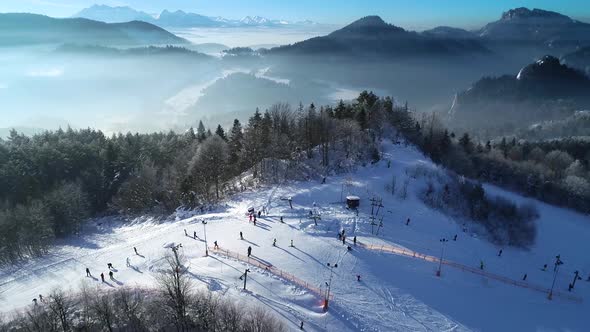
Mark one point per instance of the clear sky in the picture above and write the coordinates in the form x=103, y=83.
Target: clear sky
x=407, y=13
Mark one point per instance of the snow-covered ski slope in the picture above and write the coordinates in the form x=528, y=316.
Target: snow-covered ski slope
x=395, y=293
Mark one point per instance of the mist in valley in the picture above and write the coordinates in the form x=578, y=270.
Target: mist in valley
x=48, y=87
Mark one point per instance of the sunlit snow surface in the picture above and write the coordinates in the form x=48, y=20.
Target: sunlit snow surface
x=394, y=294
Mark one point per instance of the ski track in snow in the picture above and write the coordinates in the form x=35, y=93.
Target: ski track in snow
x=394, y=294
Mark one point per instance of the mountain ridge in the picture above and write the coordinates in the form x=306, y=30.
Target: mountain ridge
x=536, y=26
x=24, y=29
x=372, y=36
x=543, y=90
x=177, y=18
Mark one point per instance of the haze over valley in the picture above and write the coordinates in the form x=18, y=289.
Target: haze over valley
x=148, y=91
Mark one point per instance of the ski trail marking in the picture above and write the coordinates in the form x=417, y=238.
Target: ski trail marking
x=272, y=269
x=413, y=254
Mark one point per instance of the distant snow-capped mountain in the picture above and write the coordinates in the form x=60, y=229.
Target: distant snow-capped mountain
x=255, y=20
x=114, y=14
x=179, y=18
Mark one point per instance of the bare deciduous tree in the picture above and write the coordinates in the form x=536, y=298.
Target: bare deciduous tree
x=259, y=320
x=175, y=290
x=61, y=307
x=130, y=304
x=104, y=311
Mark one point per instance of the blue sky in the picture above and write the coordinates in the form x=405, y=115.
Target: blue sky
x=408, y=13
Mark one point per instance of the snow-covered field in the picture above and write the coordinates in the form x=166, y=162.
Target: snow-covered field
x=395, y=293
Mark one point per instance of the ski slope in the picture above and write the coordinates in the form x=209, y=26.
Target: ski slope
x=395, y=293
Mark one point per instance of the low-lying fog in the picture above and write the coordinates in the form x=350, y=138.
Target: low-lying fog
x=41, y=88
x=255, y=36
x=44, y=89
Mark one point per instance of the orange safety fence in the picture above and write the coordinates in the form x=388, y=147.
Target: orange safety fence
x=506, y=280
x=272, y=269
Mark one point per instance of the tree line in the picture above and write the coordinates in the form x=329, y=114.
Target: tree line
x=496, y=218
x=554, y=171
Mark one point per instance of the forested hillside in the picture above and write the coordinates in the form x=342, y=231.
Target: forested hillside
x=51, y=182
x=555, y=171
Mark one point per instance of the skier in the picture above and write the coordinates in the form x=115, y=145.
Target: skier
x=291, y=203
x=41, y=298
x=102, y=277
x=282, y=219
x=570, y=287
x=354, y=240
x=135, y=250
x=259, y=213
x=274, y=243
x=254, y=218
x=545, y=267
x=301, y=326
x=324, y=180
x=250, y=216
x=88, y=272
x=349, y=248
x=254, y=222
x=524, y=278
x=111, y=275
x=110, y=265
x=292, y=243
x=455, y=237
x=215, y=245
x=343, y=239
x=358, y=277
x=481, y=265
x=195, y=235
x=249, y=251
x=185, y=233
x=241, y=236
x=557, y=262
x=128, y=263
x=500, y=253
x=408, y=222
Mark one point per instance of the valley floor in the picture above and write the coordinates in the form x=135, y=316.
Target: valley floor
x=394, y=293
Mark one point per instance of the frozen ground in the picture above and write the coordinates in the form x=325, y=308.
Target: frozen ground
x=395, y=293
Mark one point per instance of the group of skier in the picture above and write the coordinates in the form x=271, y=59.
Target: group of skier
x=110, y=267
x=41, y=299
x=194, y=234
